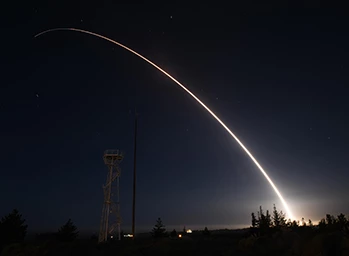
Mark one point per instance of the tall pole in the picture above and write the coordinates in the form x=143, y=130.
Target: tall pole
x=134, y=179
x=118, y=208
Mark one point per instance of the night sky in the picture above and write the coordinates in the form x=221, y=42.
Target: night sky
x=277, y=76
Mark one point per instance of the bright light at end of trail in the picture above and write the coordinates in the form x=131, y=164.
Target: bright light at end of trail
x=288, y=211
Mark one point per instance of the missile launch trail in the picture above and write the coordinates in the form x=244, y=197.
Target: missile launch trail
x=288, y=211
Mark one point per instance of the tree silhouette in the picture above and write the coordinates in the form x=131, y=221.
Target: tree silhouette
x=276, y=218
x=264, y=221
x=206, y=232
x=310, y=223
x=330, y=220
x=68, y=232
x=159, y=229
x=322, y=224
x=342, y=219
x=174, y=233
x=254, y=220
x=294, y=225
x=94, y=237
x=262, y=224
x=343, y=223
x=12, y=228
x=282, y=219
x=254, y=227
x=260, y=213
x=268, y=219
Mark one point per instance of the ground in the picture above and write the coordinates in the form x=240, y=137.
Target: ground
x=222, y=243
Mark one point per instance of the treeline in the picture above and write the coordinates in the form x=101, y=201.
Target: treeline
x=159, y=230
x=265, y=223
x=13, y=230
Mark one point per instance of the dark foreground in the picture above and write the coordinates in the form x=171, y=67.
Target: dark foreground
x=288, y=242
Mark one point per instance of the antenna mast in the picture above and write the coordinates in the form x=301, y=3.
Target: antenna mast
x=134, y=180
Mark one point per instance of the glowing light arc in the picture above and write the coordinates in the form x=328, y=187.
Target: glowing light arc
x=288, y=211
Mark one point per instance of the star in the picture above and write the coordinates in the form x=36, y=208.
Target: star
x=171, y=17
x=37, y=95
x=81, y=20
x=216, y=98
x=328, y=138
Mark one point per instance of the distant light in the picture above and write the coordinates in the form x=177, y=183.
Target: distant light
x=111, y=237
x=189, y=231
x=180, y=236
x=128, y=235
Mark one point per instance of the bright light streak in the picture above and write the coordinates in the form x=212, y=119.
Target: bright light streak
x=288, y=211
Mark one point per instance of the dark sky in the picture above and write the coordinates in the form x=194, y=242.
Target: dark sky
x=278, y=77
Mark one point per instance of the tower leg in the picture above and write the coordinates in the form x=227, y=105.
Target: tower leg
x=111, y=216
